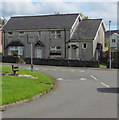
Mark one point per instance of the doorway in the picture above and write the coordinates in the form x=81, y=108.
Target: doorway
x=39, y=52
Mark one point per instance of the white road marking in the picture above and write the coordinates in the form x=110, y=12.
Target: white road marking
x=83, y=79
x=94, y=78
x=100, y=82
x=59, y=79
x=105, y=84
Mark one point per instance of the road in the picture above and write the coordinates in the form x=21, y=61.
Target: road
x=79, y=93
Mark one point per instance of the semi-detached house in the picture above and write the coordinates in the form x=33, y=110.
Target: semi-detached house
x=64, y=36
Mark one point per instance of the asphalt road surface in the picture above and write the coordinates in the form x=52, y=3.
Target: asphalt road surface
x=79, y=93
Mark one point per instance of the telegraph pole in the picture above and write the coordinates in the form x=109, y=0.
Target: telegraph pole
x=31, y=56
x=110, y=61
x=31, y=41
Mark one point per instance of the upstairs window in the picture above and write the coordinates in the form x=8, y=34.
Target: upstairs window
x=113, y=40
x=56, y=34
x=10, y=33
x=21, y=33
x=39, y=33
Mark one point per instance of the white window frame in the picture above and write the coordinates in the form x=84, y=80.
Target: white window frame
x=40, y=33
x=53, y=48
x=10, y=34
x=56, y=48
x=56, y=34
x=21, y=33
x=113, y=40
x=17, y=48
x=83, y=46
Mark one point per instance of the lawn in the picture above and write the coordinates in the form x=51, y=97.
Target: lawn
x=102, y=66
x=16, y=88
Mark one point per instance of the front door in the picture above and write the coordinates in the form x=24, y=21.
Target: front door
x=74, y=52
x=39, y=52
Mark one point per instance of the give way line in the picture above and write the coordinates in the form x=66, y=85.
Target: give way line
x=99, y=81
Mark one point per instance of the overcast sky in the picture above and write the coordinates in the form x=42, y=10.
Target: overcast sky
x=106, y=10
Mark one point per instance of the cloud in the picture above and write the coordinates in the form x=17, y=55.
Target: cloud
x=29, y=8
x=105, y=10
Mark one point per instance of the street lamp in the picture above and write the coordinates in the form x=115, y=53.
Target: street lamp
x=110, y=61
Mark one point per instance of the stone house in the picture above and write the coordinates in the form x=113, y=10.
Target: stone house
x=114, y=42
x=64, y=36
x=107, y=38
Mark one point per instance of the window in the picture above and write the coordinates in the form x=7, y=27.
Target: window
x=21, y=33
x=56, y=34
x=52, y=48
x=84, y=45
x=39, y=33
x=10, y=33
x=113, y=40
x=16, y=50
x=56, y=48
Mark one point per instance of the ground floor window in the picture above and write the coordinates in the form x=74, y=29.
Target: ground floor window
x=15, y=50
x=84, y=45
x=55, y=52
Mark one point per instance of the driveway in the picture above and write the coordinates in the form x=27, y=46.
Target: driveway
x=79, y=93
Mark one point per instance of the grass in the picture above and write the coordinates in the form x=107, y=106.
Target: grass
x=102, y=66
x=16, y=88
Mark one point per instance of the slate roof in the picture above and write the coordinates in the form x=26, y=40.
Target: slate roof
x=15, y=43
x=86, y=30
x=41, y=22
x=107, y=33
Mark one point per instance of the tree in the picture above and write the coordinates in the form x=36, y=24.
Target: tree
x=84, y=17
x=3, y=21
x=57, y=13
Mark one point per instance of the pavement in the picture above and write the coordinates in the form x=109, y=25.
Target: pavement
x=78, y=93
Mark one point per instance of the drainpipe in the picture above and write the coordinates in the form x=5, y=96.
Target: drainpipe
x=110, y=57
x=3, y=42
x=65, y=42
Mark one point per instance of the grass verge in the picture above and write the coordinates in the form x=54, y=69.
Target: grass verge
x=102, y=66
x=16, y=88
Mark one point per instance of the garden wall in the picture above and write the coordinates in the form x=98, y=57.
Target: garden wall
x=9, y=59
x=62, y=62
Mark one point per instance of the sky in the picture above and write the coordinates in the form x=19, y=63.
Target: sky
x=92, y=8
